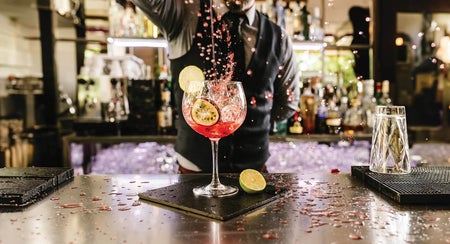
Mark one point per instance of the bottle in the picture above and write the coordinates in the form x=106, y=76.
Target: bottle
x=308, y=108
x=385, y=98
x=289, y=21
x=315, y=29
x=115, y=15
x=279, y=127
x=321, y=117
x=295, y=124
x=164, y=114
x=368, y=103
x=378, y=92
x=334, y=118
x=280, y=13
x=129, y=21
x=343, y=106
x=305, y=20
x=354, y=119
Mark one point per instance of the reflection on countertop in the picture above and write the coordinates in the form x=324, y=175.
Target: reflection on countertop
x=323, y=208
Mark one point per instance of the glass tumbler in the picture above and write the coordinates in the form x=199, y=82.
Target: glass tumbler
x=390, y=150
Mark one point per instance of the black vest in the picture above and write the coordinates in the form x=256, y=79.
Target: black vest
x=248, y=147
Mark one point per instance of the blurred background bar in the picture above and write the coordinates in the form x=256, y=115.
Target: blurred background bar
x=99, y=78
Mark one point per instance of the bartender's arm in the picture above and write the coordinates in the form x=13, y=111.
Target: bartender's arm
x=177, y=21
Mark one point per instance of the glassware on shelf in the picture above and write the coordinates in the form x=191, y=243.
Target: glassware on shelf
x=115, y=106
x=215, y=109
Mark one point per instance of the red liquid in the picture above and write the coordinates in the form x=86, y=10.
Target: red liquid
x=218, y=130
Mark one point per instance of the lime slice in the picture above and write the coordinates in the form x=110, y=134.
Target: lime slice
x=204, y=112
x=252, y=181
x=191, y=79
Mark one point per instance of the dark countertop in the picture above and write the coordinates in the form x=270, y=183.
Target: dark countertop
x=323, y=208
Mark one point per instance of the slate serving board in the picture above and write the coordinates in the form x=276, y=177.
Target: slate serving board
x=424, y=185
x=20, y=187
x=180, y=196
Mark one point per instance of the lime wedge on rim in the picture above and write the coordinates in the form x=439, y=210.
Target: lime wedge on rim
x=204, y=112
x=191, y=79
x=252, y=181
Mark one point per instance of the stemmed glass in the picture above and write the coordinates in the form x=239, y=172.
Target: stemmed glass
x=215, y=109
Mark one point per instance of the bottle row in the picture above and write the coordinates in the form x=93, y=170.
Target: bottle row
x=334, y=110
x=323, y=109
x=146, y=104
x=127, y=20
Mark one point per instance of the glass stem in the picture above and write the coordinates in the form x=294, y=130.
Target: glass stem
x=215, y=182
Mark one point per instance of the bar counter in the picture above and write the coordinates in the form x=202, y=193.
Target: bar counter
x=320, y=208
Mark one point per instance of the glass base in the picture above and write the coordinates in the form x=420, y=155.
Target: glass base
x=215, y=191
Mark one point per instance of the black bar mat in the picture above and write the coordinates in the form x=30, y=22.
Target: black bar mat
x=20, y=187
x=181, y=197
x=424, y=185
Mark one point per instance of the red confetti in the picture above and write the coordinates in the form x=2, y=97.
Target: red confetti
x=335, y=171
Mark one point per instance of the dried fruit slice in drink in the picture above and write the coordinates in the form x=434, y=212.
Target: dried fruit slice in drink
x=191, y=79
x=252, y=181
x=204, y=112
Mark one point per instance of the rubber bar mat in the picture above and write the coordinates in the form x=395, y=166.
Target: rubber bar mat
x=180, y=196
x=20, y=187
x=424, y=185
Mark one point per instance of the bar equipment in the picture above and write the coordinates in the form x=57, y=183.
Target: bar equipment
x=390, y=149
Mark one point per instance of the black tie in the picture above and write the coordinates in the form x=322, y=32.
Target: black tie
x=234, y=22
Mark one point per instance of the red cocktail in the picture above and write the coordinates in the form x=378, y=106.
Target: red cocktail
x=215, y=109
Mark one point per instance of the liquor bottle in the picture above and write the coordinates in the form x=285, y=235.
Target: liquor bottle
x=115, y=15
x=334, y=118
x=343, y=106
x=129, y=21
x=308, y=108
x=305, y=19
x=378, y=93
x=315, y=28
x=295, y=124
x=354, y=119
x=385, y=98
x=279, y=127
x=164, y=114
x=321, y=117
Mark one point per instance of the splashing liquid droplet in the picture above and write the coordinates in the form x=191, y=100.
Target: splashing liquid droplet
x=253, y=101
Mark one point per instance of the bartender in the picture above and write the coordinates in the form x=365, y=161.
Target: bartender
x=267, y=69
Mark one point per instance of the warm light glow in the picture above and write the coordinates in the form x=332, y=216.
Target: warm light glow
x=399, y=41
x=137, y=42
x=443, y=52
x=150, y=42
x=307, y=46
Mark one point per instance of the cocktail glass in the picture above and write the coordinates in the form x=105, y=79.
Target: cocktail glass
x=215, y=109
